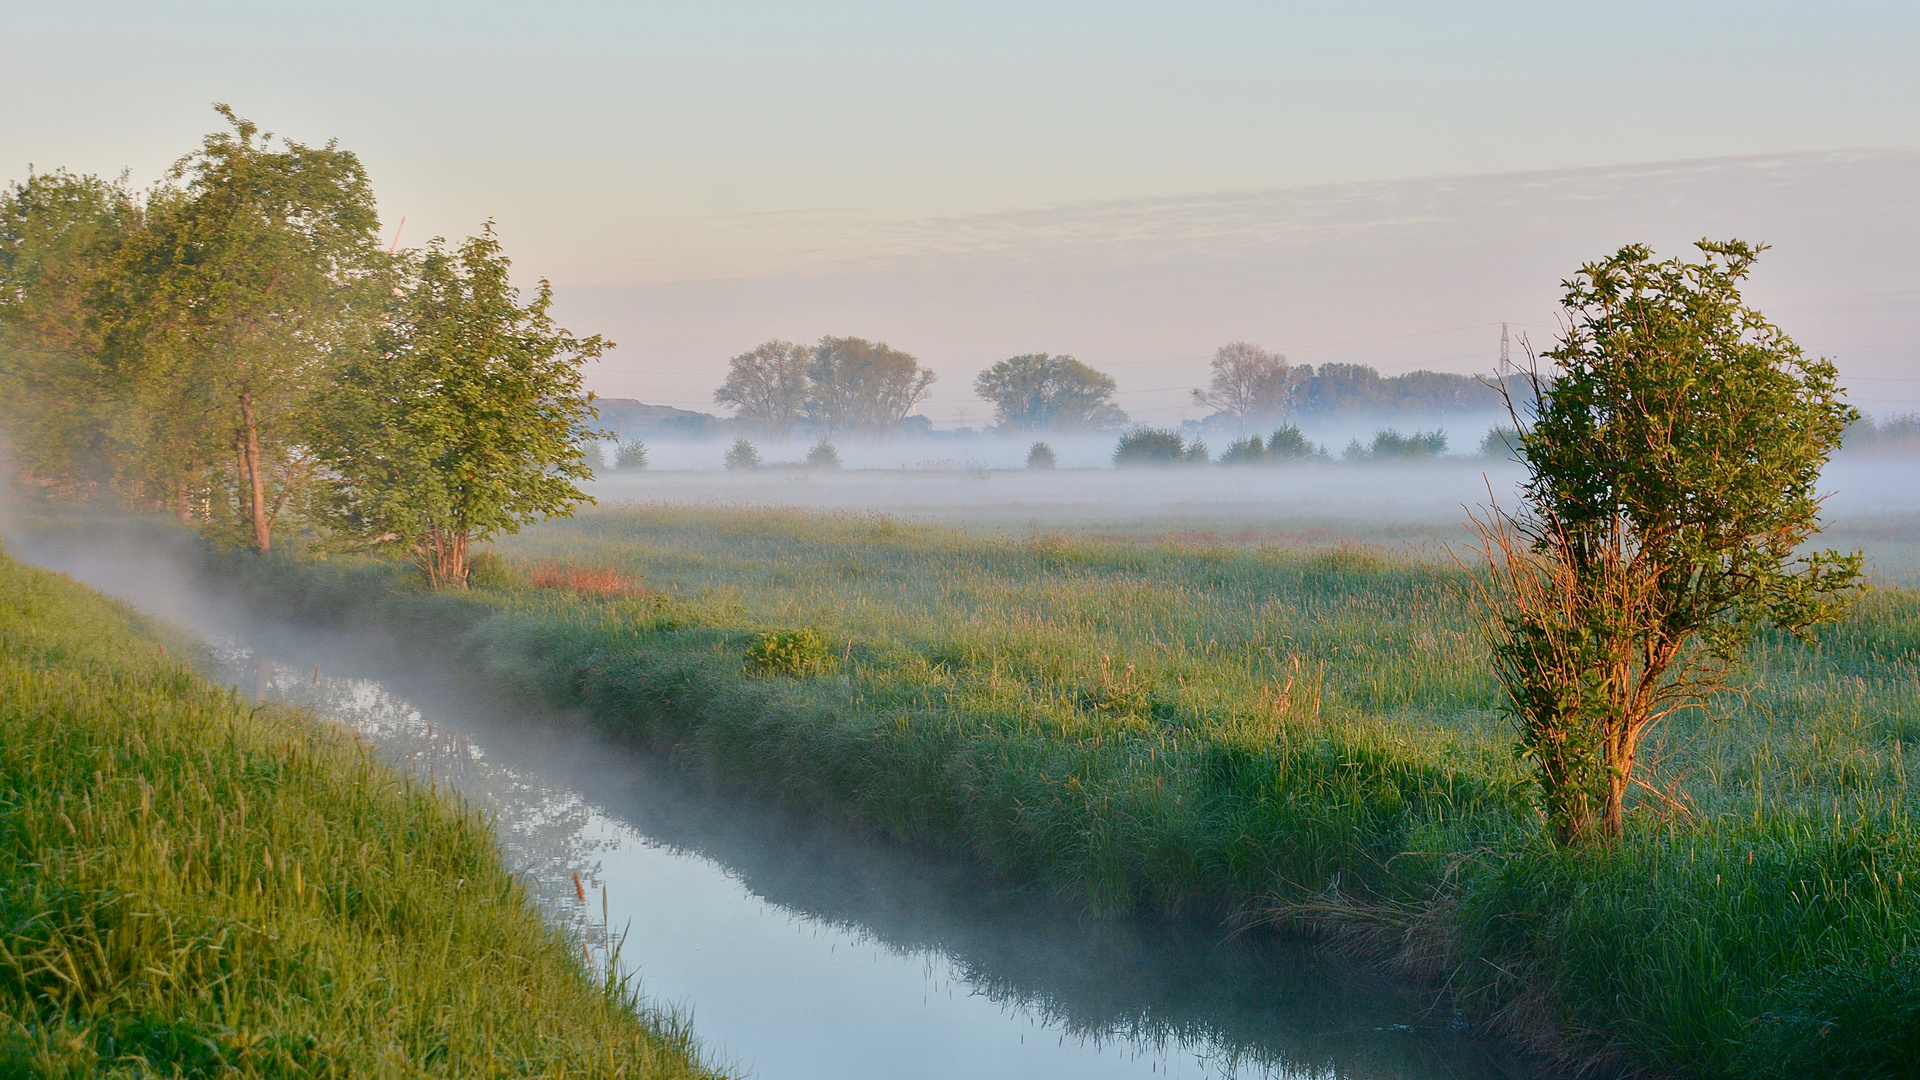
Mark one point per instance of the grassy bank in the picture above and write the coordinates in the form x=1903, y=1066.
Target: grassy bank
x=191, y=885
x=1244, y=730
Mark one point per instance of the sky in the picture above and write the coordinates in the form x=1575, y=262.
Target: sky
x=1134, y=184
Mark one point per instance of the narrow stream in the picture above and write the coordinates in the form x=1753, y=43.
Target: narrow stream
x=802, y=951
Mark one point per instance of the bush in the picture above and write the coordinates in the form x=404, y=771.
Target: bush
x=1040, y=456
x=632, y=454
x=797, y=653
x=1501, y=442
x=742, y=455
x=1150, y=446
x=823, y=456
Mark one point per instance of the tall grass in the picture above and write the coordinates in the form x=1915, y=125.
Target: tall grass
x=191, y=885
x=1253, y=732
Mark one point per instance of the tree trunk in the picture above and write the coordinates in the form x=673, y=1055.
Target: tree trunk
x=180, y=508
x=256, y=476
x=443, y=554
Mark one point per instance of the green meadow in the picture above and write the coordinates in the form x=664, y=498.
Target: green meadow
x=191, y=885
x=1270, y=734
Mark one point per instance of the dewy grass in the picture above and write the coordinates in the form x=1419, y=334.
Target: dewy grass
x=192, y=885
x=1253, y=731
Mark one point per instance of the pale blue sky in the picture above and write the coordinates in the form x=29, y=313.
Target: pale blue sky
x=646, y=145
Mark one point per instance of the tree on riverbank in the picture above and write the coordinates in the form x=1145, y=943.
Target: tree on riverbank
x=238, y=293
x=466, y=420
x=1672, y=460
x=168, y=346
x=60, y=239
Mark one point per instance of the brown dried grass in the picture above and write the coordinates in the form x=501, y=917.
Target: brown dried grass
x=588, y=580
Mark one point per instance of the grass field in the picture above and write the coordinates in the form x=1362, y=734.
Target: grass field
x=191, y=885
x=1305, y=734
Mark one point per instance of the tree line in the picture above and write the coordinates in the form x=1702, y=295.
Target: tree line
x=853, y=386
x=235, y=345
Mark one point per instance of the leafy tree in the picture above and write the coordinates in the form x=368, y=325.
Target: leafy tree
x=1672, y=460
x=856, y=385
x=768, y=387
x=465, y=421
x=631, y=455
x=823, y=456
x=1040, y=456
x=60, y=241
x=1152, y=446
x=742, y=455
x=1247, y=383
x=1036, y=392
x=249, y=278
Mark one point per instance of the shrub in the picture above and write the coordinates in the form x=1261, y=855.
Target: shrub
x=1150, y=446
x=823, y=456
x=742, y=455
x=632, y=454
x=1040, y=456
x=797, y=653
x=1501, y=442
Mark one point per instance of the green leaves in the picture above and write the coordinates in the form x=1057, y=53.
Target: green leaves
x=466, y=419
x=1673, y=459
x=1037, y=391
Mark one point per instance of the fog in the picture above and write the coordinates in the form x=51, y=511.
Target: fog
x=992, y=449
x=799, y=948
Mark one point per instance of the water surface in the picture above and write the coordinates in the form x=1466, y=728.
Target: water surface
x=800, y=949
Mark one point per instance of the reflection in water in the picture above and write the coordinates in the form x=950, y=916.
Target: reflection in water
x=804, y=951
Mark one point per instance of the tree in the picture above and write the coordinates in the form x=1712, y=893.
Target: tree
x=1040, y=456
x=1288, y=443
x=823, y=456
x=60, y=239
x=1151, y=446
x=1247, y=451
x=768, y=386
x=1248, y=382
x=856, y=385
x=245, y=284
x=631, y=454
x=465, y=420
x=1672, y=459
x=742, y=455
x=1036, y=392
